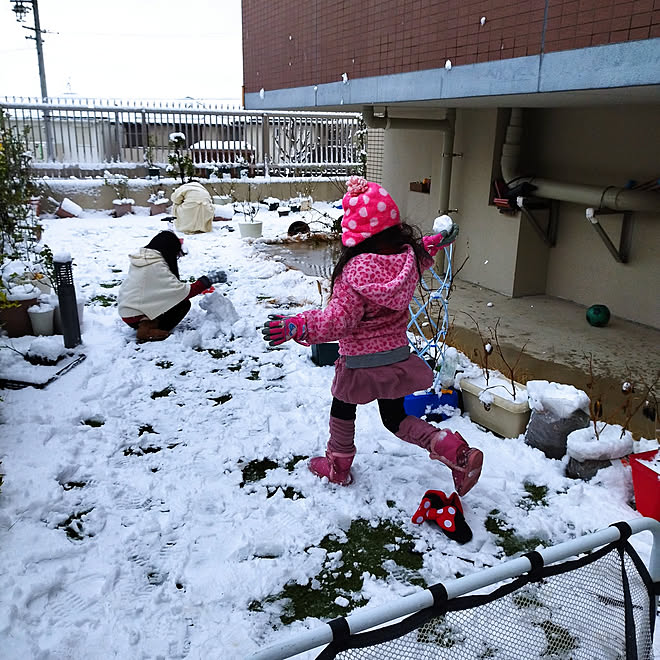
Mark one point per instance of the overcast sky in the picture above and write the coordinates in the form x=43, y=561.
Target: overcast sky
x=126, y=49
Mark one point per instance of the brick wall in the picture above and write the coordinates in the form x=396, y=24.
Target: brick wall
x=295, y=43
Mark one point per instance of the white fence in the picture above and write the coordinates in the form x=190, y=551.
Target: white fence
x=88, y=132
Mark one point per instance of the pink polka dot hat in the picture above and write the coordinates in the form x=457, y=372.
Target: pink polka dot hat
x=368, y=209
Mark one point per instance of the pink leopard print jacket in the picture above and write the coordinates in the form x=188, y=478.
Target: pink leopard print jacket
x=368, y=311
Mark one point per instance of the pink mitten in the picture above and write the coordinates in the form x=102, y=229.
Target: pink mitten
x=282, y=328
x=433, y=244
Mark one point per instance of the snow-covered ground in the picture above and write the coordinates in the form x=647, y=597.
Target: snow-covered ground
x=127, y=526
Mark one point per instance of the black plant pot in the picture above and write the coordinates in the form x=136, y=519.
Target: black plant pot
x=324, y=355
x=273, y=206
x=295, y=208
x=153, y=172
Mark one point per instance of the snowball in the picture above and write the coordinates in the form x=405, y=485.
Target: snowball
x=262, y=93
x=483, y=20
x=448, y=65
x=442, y=223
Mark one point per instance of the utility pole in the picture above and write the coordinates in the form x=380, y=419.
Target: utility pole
x=21, y=8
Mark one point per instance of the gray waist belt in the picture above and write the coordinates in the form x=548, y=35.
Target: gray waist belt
x=378, y=359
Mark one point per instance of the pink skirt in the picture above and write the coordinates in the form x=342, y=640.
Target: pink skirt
x=392, y=381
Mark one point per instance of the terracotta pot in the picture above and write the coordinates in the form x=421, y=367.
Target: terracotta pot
x=15, y=321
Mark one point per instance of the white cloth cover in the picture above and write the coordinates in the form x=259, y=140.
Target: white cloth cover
x=193, y=208
x=150, y=288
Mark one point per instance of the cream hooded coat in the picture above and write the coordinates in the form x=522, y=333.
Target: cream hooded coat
x=193, y=208
x=150, y=288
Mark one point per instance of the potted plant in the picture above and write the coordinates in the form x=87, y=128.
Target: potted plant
x=273, y=203
x=158, y=203
x=283, y=210
x=596, y=446
x=246, y=214
x=494, y=400
x=180, y=163
x=153, y=171
x=17, y=238
x=122, y=204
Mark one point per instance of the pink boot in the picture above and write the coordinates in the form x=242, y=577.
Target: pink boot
x=464, y=461
x=336, y=464
x=447, y=447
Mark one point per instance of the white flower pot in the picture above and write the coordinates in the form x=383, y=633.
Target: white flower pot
x=250, y=229
x=42, y=320
x=502, y=416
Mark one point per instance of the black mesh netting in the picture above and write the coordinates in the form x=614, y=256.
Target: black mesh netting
x=599, y=607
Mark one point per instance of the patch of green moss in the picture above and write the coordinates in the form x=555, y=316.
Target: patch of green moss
x=534, y=496
x=290, y=493
x=73, y=525
x=164, y=364
x=290, y=465
x=110, y=285
x=93, y=422
x=69, y=485
x=164, y=392
x=254, y=375
x=511, y=543
x=236, y=366
x=141, y=451
x=256, y=470
x=219, y=400
x=365, y=548
x=103, y=300
x=439, y=633
x=559, y=640
x=146, y=428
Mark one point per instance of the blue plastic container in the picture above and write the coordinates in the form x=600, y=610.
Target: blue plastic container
x=417, y=404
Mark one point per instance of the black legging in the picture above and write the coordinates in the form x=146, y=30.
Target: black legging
x=167, y=320
x=391, y=412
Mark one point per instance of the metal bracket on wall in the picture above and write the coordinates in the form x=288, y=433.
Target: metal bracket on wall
x=621, y=254
x=548, y=234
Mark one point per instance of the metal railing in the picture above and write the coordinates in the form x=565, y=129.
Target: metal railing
x=95, y=133
x=370, y=617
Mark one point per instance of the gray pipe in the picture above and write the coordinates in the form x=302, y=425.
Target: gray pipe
x=598, y=197
x=395, y=122
x=447, y=161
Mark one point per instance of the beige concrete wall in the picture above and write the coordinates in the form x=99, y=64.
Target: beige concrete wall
x=411, y=155
x=605, y=146
x=488, y=239
x=94, y=194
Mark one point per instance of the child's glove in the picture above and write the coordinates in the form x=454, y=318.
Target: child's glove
x=217, y=277
x=282, y=328
x=433, y=244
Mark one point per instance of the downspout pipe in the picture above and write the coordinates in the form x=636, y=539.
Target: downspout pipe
x=598, y=197
x=445, y=125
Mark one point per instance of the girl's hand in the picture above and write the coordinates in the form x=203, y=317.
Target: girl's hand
x=282, y=328
x=433, y=244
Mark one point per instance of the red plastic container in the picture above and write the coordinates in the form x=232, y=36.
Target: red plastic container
x=646, y=484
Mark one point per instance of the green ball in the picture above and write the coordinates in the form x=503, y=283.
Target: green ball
x=598, y=315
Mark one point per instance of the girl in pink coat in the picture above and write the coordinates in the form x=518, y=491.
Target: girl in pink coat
x=372, y=285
